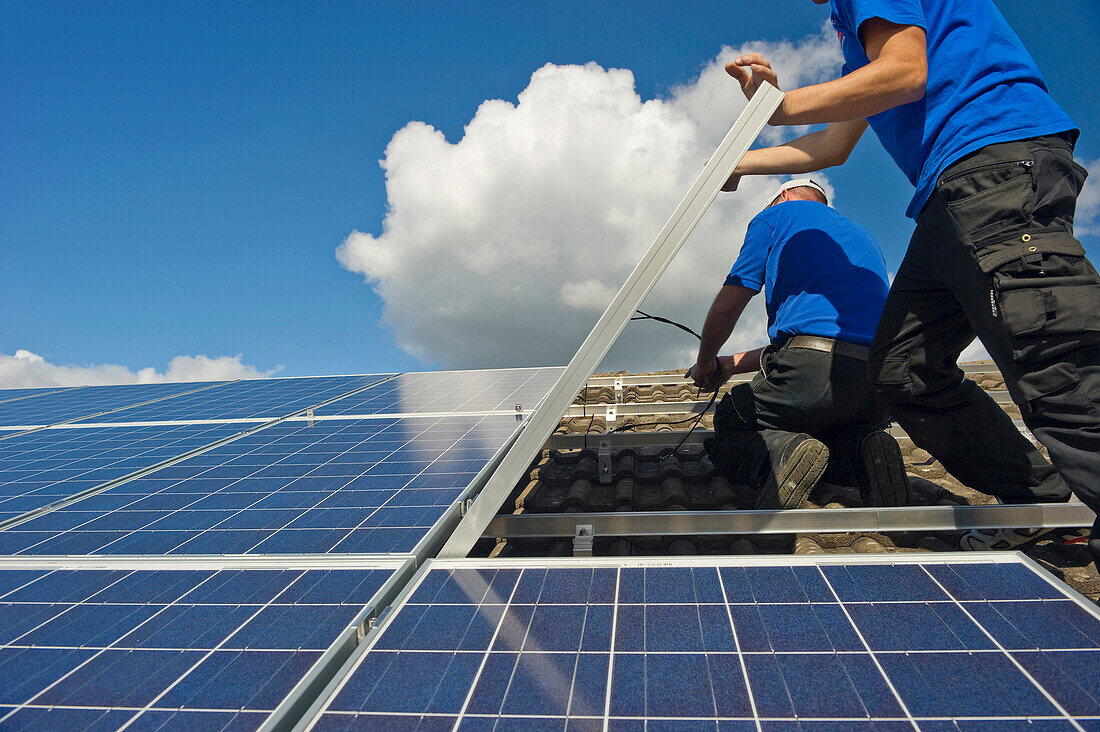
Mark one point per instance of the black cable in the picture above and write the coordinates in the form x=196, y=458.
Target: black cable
x=584, y=413
x=647, y=316
x=697, y=420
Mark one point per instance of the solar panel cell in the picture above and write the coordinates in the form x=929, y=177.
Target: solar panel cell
x=964, y=685
x=1027, y=625
x=918, y=627
x=991, y=582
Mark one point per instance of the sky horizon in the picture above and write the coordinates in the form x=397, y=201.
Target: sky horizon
x=216, y=191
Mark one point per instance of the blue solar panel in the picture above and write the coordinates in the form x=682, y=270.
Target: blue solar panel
x=39, y=468
x=804, y=643
x=7, y=395
x=258, y=399
x=336, y=486
x=73, y=403
x=451, y=391
x=184, y=646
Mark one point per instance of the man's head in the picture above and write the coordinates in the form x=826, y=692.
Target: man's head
x=802, y=189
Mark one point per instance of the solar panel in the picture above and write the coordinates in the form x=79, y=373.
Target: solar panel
x=330, y=486
x=208, y=645
x=451, y=391
x=74, y=403
x=258, y=399
x=38, y=468
x=726, y=643
x=7, y=395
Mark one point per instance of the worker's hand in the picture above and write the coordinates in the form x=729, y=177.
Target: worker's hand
x=731, y=183
x=705, y=375
x=752, y=70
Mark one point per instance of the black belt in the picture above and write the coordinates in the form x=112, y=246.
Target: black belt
x=828, y=345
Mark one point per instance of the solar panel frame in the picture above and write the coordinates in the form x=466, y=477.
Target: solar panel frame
x=431, y=578
x=345, y=636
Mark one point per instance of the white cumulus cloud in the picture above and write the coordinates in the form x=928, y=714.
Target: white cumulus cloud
x=26, y=369
x=503, y=248
x=1087, y=219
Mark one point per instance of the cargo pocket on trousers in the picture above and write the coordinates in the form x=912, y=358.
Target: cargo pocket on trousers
x=1042, y=285
x=990, y=202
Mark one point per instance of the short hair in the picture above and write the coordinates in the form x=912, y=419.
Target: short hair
x=808, y=193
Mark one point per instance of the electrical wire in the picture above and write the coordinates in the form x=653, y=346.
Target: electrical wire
x=647, y=316
x=718, y=365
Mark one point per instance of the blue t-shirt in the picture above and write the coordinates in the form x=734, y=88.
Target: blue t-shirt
x=983, y=85
x=823, y=274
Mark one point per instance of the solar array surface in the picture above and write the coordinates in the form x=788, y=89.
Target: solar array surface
x=451, y=391
x=38, y=468
x=326, y=486
x=257, y=399
x=72, y=404
x=719, y=644
x=8, y=395
x=687, y=644
x=199, y=648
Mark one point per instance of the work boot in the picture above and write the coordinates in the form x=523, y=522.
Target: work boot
x=738, y=456
x=880, y=471
x=980, y=540
x=796, y=463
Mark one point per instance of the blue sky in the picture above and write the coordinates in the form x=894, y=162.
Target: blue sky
x=175, y=177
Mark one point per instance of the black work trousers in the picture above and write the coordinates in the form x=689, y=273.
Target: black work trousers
x=994, y=256
x=797, y=390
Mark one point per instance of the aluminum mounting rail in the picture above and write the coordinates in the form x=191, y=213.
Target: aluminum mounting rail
x=607, y=329
x=688, y=406
x=802, y=520
x=670, y=438
x=678, y=379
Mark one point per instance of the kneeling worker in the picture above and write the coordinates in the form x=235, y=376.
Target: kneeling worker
x=825, y=286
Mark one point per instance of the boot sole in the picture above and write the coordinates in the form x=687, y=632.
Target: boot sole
x=881, y=471
x=796, y=478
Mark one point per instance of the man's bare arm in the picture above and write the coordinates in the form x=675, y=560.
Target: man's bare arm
x=815, y=151
x=897, y=74
x=740, y=363
x=724, y=312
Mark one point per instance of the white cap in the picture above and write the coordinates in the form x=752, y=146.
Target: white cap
x=798, y=183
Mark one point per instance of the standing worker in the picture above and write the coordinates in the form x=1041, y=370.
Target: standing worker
x=810, y=407
x=959, y=104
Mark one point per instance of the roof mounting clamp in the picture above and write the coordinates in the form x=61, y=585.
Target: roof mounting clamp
x=618, y=390
x=603, y=455
x=465, y=506
x=309, y=416
x=610, y=416
x=582, y=540
x=519, y=411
